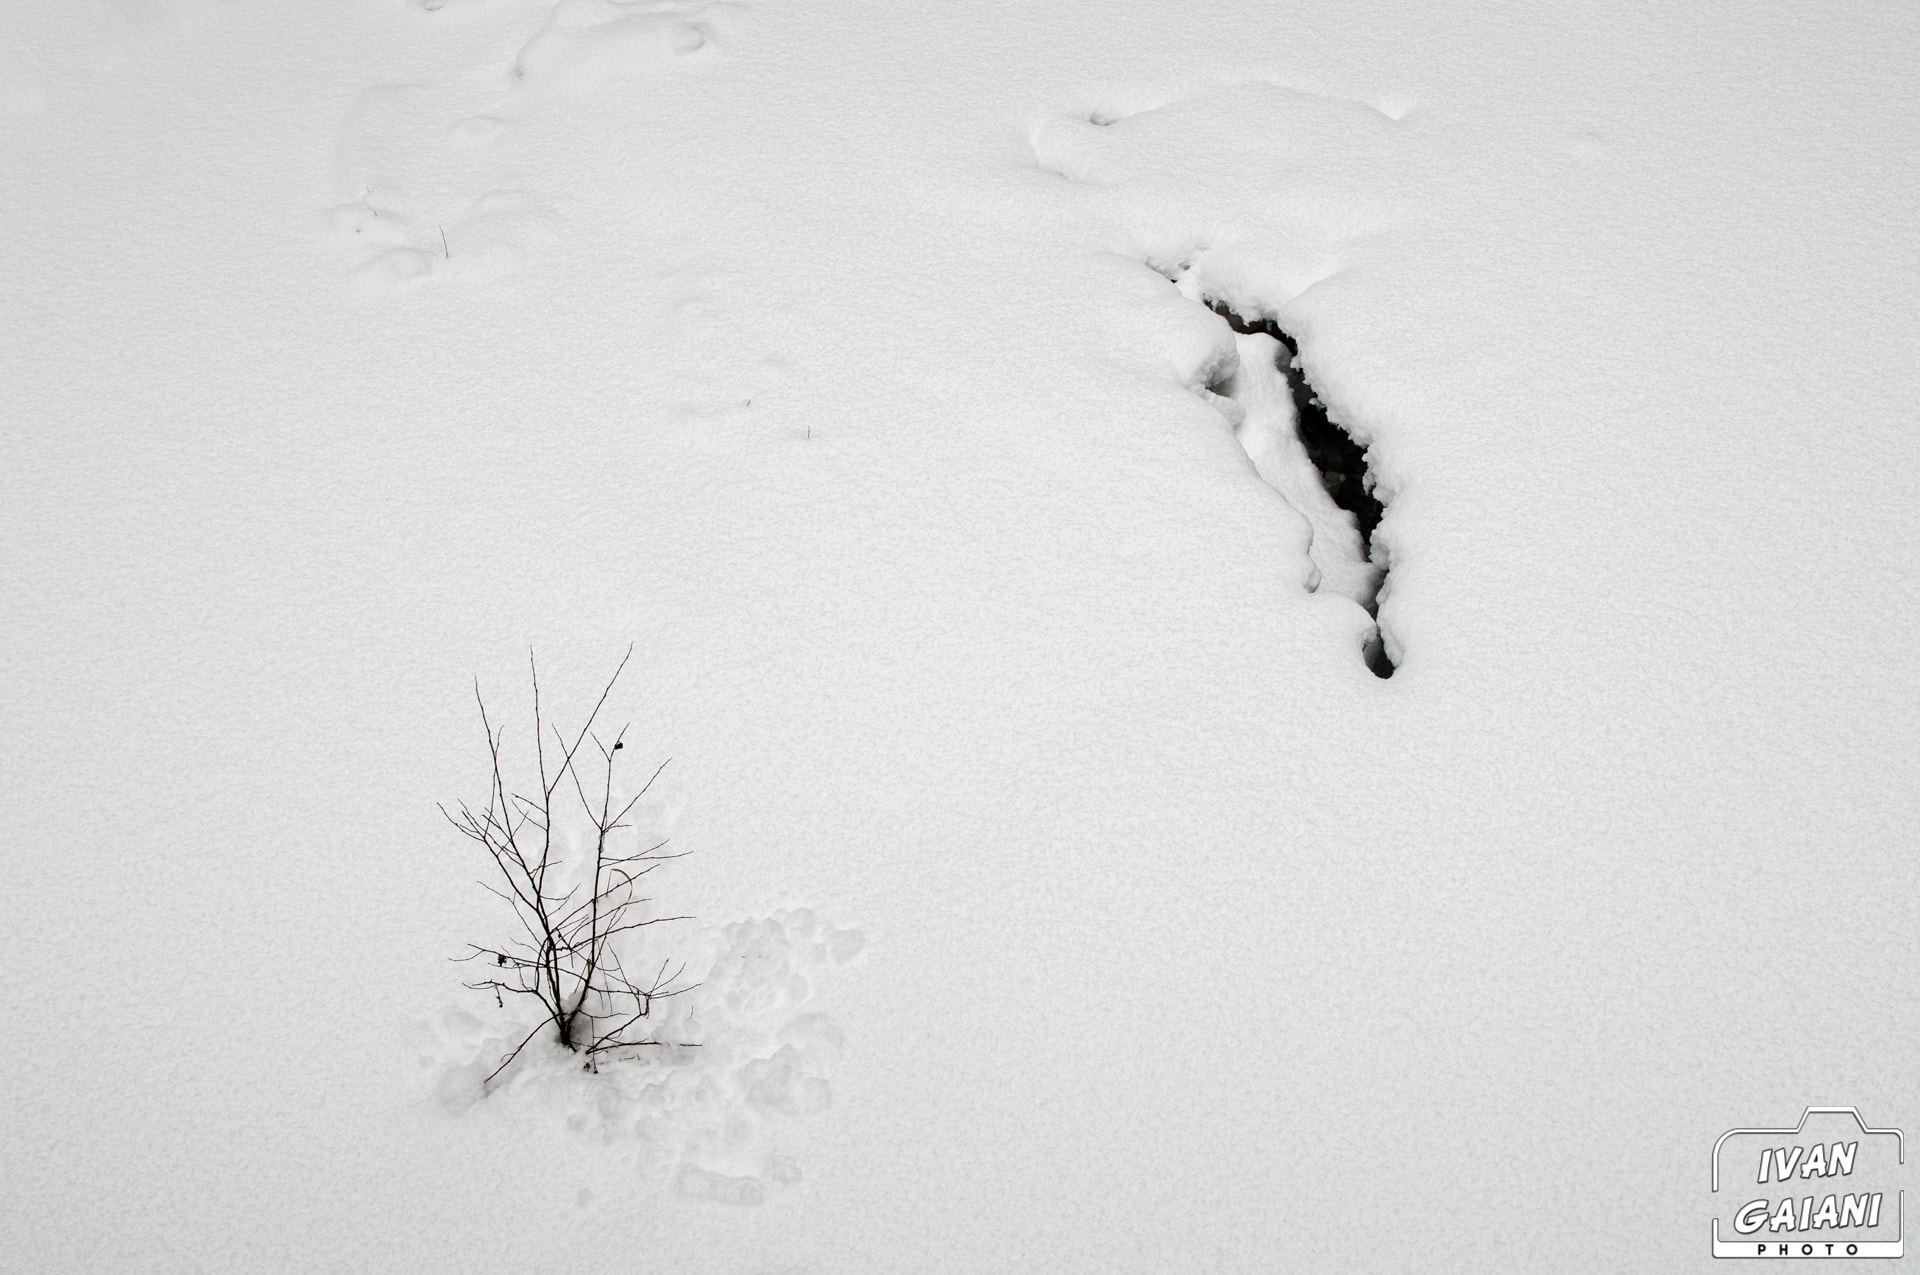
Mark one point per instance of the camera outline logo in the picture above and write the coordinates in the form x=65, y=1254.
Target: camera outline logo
x=1799, y=1225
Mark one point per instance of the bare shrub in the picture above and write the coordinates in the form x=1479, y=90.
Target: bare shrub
x=576, y=899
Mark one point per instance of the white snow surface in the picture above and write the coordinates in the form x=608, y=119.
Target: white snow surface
x=1070, y=896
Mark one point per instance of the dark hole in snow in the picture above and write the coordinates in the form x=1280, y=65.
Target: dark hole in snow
x=1342, y=462
x=1377, y=660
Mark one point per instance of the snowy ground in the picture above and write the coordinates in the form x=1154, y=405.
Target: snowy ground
x=1110, y=914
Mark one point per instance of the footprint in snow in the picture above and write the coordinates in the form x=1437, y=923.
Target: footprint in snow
x=746, y=1053
x=423, y=198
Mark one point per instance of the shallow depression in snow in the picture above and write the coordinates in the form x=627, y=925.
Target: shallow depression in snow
x=433, y=178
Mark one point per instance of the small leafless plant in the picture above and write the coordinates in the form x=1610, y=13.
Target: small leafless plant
x=575, y=902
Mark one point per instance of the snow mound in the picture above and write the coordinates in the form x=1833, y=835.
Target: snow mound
x=434, y=179
x=700, y=1111
x=586, y=43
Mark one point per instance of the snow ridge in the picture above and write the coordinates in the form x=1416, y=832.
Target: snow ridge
x=1163, y=177
x=1282, y=423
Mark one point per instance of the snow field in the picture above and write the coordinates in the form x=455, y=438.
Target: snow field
x=834, y=361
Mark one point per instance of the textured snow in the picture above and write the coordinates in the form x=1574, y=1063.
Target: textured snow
x=829, y=354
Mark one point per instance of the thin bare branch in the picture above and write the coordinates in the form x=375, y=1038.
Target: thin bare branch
x=510, y=1057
